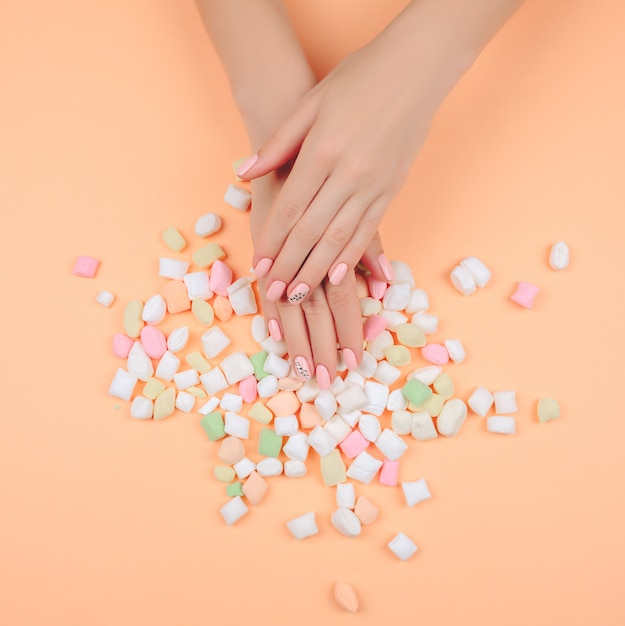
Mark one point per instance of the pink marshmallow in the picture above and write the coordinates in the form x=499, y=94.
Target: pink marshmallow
x=353, y=444
x=247, y=389
x=153, y=341
x=377, y=288
x=220, y=278
x=85, y=266
x=121, y=345
x=374, y=325
x=389, y=473
x=525, y=294
x=435, y=353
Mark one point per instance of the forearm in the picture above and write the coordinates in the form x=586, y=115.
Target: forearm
x=265, y=64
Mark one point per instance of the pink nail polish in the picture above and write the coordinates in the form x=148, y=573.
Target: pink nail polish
x=275, y=332
x=386, y=268
x=338, y=273
x=377, y=288
x=350, y=359
x=300, y=291
x=262, y=267
x=275, y=290
x=247, y=165
x=323, y=377
x=302, y=368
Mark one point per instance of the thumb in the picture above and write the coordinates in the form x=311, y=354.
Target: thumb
x=283, y=144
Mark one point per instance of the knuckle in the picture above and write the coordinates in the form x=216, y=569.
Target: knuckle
x=340, y=298
x=337, y=236
x=307, y=232
x=288, y=212
x=368, y=226
x=315, y=305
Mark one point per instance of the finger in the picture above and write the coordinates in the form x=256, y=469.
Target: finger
x=270, y=313
x=374, y=260
x=295, y=331
x=345, y=307
x=322, y=335
x=284, y=143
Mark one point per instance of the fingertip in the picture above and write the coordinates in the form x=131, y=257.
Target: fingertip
x=338, y=273
x=243, y=169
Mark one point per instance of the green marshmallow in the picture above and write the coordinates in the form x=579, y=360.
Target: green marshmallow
x=269, y=444
x=213, y=425
x=258, y=360
x=416, y=392
x=235, y=489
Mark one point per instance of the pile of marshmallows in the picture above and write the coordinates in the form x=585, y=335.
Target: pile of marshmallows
x=356, y=427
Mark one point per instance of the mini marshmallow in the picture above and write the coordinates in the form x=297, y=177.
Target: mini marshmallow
x=505, y=402
x=411, y=335
x=185, y=401
x=242, y=298
x=338, y=428
x=133, y=321
x=308, y=391
x=209, y=406
x=154, y=310
x=345, y=495
x=325, y=403
x=244, y=467
x=186, y=379
x=139, y=363
x=559, y=256
x=379, y=344
x=481, y=274
x=501, y=424
x=178, y=339
x=419, y=301
x=370, y=306
x=393, y=319
x=214, y=341
x=303, y=526
x=346, y=522
x=259, y=328
x=422, y=426
x=260, y=413
x=207, y=255
x=402, y=546
x=286, y=425
x=309, y=416
x=231, y=450
x=373, y=327
x=284, y=403
x=416, y=392
x=352, y=417
x=214, y=381
x=427, y=322
x=223, y=308
x=390, y=444
x=287, y=383
x=231, y=402
x=401, y=422
x=456, y=350
x=165, y=404
x=153, y=388
x=396, y=401
x=276, y=365
x=451, y=417
x=121, y=345
x=547, y=409
x=275, y=347
x=296, y=446
x=236, y=425
x=267, y=387
x=321, y=441
x=403, y=273
x=269, y=466
x=352, y=399
x=172, y=268
x=123, y=384
x=255, y=488
x=480, y=401
x=105, y=298
x=153, y=341
x=397, y=297
x=397, y=356
x=236, y=367
x=207, y=224
x=85, y=266
x=197, y=284
x=220, y=278
x=386, y=373
x=427, y=375
x=363, y=468
x=432, y=405
x=247, y=389
x=366, y=511
x=338, y=386
x=354, y=377
x=354, y=444
x=175, y=294
x=525, y=294
x=370, y=427
x=233, y=510
x=332, y=469
x=368, y=365
x=173, y=239
x=415, y=491
x=389, y=473
x=444, y=386
x=435, y=353
x=377, y=393
x=198, y=362
x=237, y=197
x=463, y=280
x=294, y=469
x=203, y=312
x=376, y=288
x=167, y=366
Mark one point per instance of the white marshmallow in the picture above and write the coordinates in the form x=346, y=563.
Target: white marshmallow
x=178, y=339
x=142, y=408
x=321, y=441
x=386, y=373
x=346, y=522
x=397, y=401
x=481, y=274
x=209, y=406
x=197, y=286
x=451, y=417
x=368, y=365
x=186, y=379
x=236, y=425
x=480, y=401
x=427, y=322
x=294, y=469
x=352, y=417
x=139, y=363
x=123, y=384
x=154, y=310
x=559, y=256
x=338, y=386
x=402, y=546
x=416, y=491
x=303, y=526
x=233, y=510
x=396, y=297
x=308, y=391
x=276, y=365
x=352, y=399
x=231, y=402
x=236, y=367
x=267, y=386
x=105, y=298
x=463, y=280
x=242, y=298
x=214, y=381
x=403, y=273
x=505, y=401
x=427, y=375
x=214, y=341
x=379, y=344
x=244, y=467
x=377, y=393
x=363, y=468
x=167, y=366
x=502, y=424
x=269, y=466
x=237, y=197
x=401, y=422
x=422, y=426
x=345, y=495
x=369, y=426
x=276, y=347
x=185, y=401
x=456, y=350
x=390, y=444
x=419, y=301
x=172, y=268
x=338, y=428
x=259, y=328
x=394, y=319
x=296, y=446
x=325, y=404
x=207, y=224
x=285, y=425
x=354, y=377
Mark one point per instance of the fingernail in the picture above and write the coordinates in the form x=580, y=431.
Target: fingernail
x=262, y=267
x=275, y=290
x=377, y=288
x=300, y=291
x=301, y=368
x=350, y=359
x=386, y=267
x=275, y=332
x=338, y=273
x=323, y=377
x=247, y=165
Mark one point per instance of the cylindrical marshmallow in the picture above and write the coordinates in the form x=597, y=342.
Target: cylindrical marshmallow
x=269, y=466
x=214, y=381
x=294, y=469
x=214, y=341
x=296, y=446
x=377, y=393
x=236, y=425
x=259, y=328
x=524, y=294
x=403, y=273
x=231, y=402
x=505, y=402
x=267, y=386
x=325, y=403
x=167, y=366
x=233, y=510
x=185, y=401
x=139, y=363
x=141, y=408
x=321, y=441
x=481, y=274
x=177, y=339
x=352, y=398
x=419, y=301
x=172, y=268
x=456, y=350
x=346, y=522
x=345, y=495
x=286, y=425
x=559, y=256
x=154, y=310
x=415, y=491
x=276, y=365
x=427, y=322
x=368, y=364
x=463, y=280
x=390, y=444
x=397, y=296
x=303, y=526
x=501, y=424
x=237, y=197
x=236, y=367
x=186, y=379
x=402, y=546
x=480, y=401
x=451, y=417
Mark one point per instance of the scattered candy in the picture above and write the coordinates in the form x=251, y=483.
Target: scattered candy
x=105, y=298
x=502, y=424
x=345, y=596
x=559, y=256
x=480, y=401
x=303, y=526
x=237, y=197
x=207, y=224
x=172, y=268
x=415, y=491
x=346, y=522
x=85, y=266
x=525, y=294
x=366, y=511
x=233, y=510
x=451, y=417
x=505, y=402
x=173, y=239
x=548, y=409
x=402, y=546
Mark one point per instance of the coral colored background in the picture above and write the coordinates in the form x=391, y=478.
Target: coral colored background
x=115, y=123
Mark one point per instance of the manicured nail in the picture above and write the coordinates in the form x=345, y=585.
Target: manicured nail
x=275, y=290
x=247, y=165
x=262, y=267
x=301, y=368
x=386, y=267
x=338, y=273
x=300, y=291
x=377, y=288
x=323, y=377
x=350, y=359
x=275, y=332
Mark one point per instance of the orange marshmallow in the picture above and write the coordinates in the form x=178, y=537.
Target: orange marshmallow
x=231, y=451
x=309, y=416
x=222, y=308
x=175, y=295
x=255, y=488
x=366, y=511
x=284, y=403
